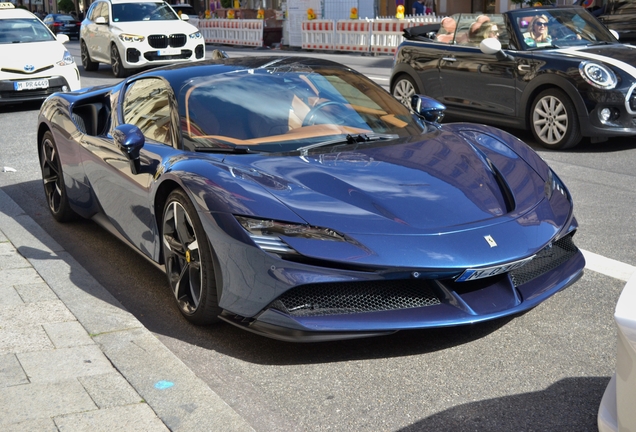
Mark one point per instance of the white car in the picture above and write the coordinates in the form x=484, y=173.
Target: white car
x=618, y=406
x=33, y=62
x=134, y=34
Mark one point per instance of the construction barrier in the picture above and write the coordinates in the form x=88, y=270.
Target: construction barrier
x=353, y=35
x=244, y=32
x=318, y=34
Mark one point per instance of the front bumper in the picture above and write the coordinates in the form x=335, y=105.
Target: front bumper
x=622, y=107
x=138, y=55
x=56, y=83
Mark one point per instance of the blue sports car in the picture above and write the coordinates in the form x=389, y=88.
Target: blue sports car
x=295, y=198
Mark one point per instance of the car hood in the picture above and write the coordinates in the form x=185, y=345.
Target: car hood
x=150, y=27
x=39, y=55
x=432, y=184
x=619, y=55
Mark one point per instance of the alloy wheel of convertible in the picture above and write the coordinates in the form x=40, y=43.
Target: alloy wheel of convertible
x=554, y=121
x=53, y=180
x=88, y=64
x=115, y=63
x=404, y=89
x=188, y=260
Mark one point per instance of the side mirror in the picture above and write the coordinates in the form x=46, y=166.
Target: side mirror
x=218, y=54
x=428, y=108
x=184, y=17
x=130, y=140
x=493, y=46
x=100, y=20
x=615, y=34
x=62, y=38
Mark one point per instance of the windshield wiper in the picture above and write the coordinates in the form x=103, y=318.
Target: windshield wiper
x=349, y=139
x=233, y=150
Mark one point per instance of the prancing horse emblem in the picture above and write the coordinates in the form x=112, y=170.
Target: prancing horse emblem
x=491, y=241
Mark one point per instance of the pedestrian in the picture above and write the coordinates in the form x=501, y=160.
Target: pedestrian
x=419, y=8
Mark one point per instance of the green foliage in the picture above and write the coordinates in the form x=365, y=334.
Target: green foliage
x=66, y=6
x=226, y=4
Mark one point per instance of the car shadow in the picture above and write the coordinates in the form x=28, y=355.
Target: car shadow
x=570, y=404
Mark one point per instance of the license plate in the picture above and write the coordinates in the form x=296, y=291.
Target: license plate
x=169, y=51
x=31, y=85
x=480, y=273
x=69, y=25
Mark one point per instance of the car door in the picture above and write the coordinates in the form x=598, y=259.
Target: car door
x=124, y=195
x=477, y=84
x=96, y=32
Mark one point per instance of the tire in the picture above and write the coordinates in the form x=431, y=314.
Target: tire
x=554, y=121
x=188, y=259
x=88, y=64
x=404, y=88
x=53, y=180
x=115, y=63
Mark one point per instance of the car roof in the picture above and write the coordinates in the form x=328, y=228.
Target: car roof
x=7, y=12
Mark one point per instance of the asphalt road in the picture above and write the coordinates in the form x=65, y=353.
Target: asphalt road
x=545, y=370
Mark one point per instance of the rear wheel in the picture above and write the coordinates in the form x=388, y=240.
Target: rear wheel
x=116, y=64
x=404, y=89
x=88, y=64
x=553, y=120
x=188, y=259
x=53, y=179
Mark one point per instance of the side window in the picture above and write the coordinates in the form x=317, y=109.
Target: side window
x=93, y=12
x=147, y=106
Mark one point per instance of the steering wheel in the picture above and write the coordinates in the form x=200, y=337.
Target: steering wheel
x=310, y=118
x=570, y=37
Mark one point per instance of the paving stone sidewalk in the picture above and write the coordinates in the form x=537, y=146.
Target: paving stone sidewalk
x=73, y=359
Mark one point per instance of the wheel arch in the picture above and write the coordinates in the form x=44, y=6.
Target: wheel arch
x=404, y=69
x=546, y=82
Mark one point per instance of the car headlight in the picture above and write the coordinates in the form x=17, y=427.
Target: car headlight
x=67, y=59
x=196, y=35
x=553, y=183
x=127, y=37
x=266, y=233
x=597, y=75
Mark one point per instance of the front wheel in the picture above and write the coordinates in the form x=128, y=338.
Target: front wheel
x=404, y=89
x=553, y=120
x=53, y=179
x=116, y=64
x=188, y=259
x=88, y=64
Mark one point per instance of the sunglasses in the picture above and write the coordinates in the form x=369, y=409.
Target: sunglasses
x=540, y=24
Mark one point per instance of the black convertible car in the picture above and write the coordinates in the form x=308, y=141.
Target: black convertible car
x=554, y=70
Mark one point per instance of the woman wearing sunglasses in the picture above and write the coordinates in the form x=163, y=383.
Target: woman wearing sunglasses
x=538, y=32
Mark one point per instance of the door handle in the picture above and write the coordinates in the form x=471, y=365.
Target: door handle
x=524, y=68
x=449, y=59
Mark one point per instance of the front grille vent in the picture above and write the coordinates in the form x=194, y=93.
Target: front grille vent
x=165, y=41
x=355, y=297
x=546, y=260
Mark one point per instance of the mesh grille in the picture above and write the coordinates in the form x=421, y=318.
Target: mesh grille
x=355, y=297
x=548, y=259
x=165, y=41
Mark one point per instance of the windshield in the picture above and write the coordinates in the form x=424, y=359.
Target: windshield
x=23, y=30
x=559, y=28
x=127, y=12
x=274, y=110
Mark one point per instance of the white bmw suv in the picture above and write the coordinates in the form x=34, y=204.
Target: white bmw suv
x=134, y=34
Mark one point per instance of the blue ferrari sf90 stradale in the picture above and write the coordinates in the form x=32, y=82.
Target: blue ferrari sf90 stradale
x=297, y=199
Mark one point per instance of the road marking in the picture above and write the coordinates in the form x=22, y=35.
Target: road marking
x=608, y=266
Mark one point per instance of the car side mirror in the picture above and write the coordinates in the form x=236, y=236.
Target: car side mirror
x=185, y=17
x=130, y=140
x=493, y=46
x=428, y=108
x=62, y=38
x=614, y=33
x=100, y=20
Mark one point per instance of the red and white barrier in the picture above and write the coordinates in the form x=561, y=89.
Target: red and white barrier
x=318, y=34
x=353, y=35
x=231, y=31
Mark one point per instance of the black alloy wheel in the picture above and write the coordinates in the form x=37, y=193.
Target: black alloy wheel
x=188, y=259
x=115, y=63
x=553, y=120
x=88, y=64
x=53, y=180
x=404, y=89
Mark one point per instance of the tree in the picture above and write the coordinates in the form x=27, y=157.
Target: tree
x=66, y=6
